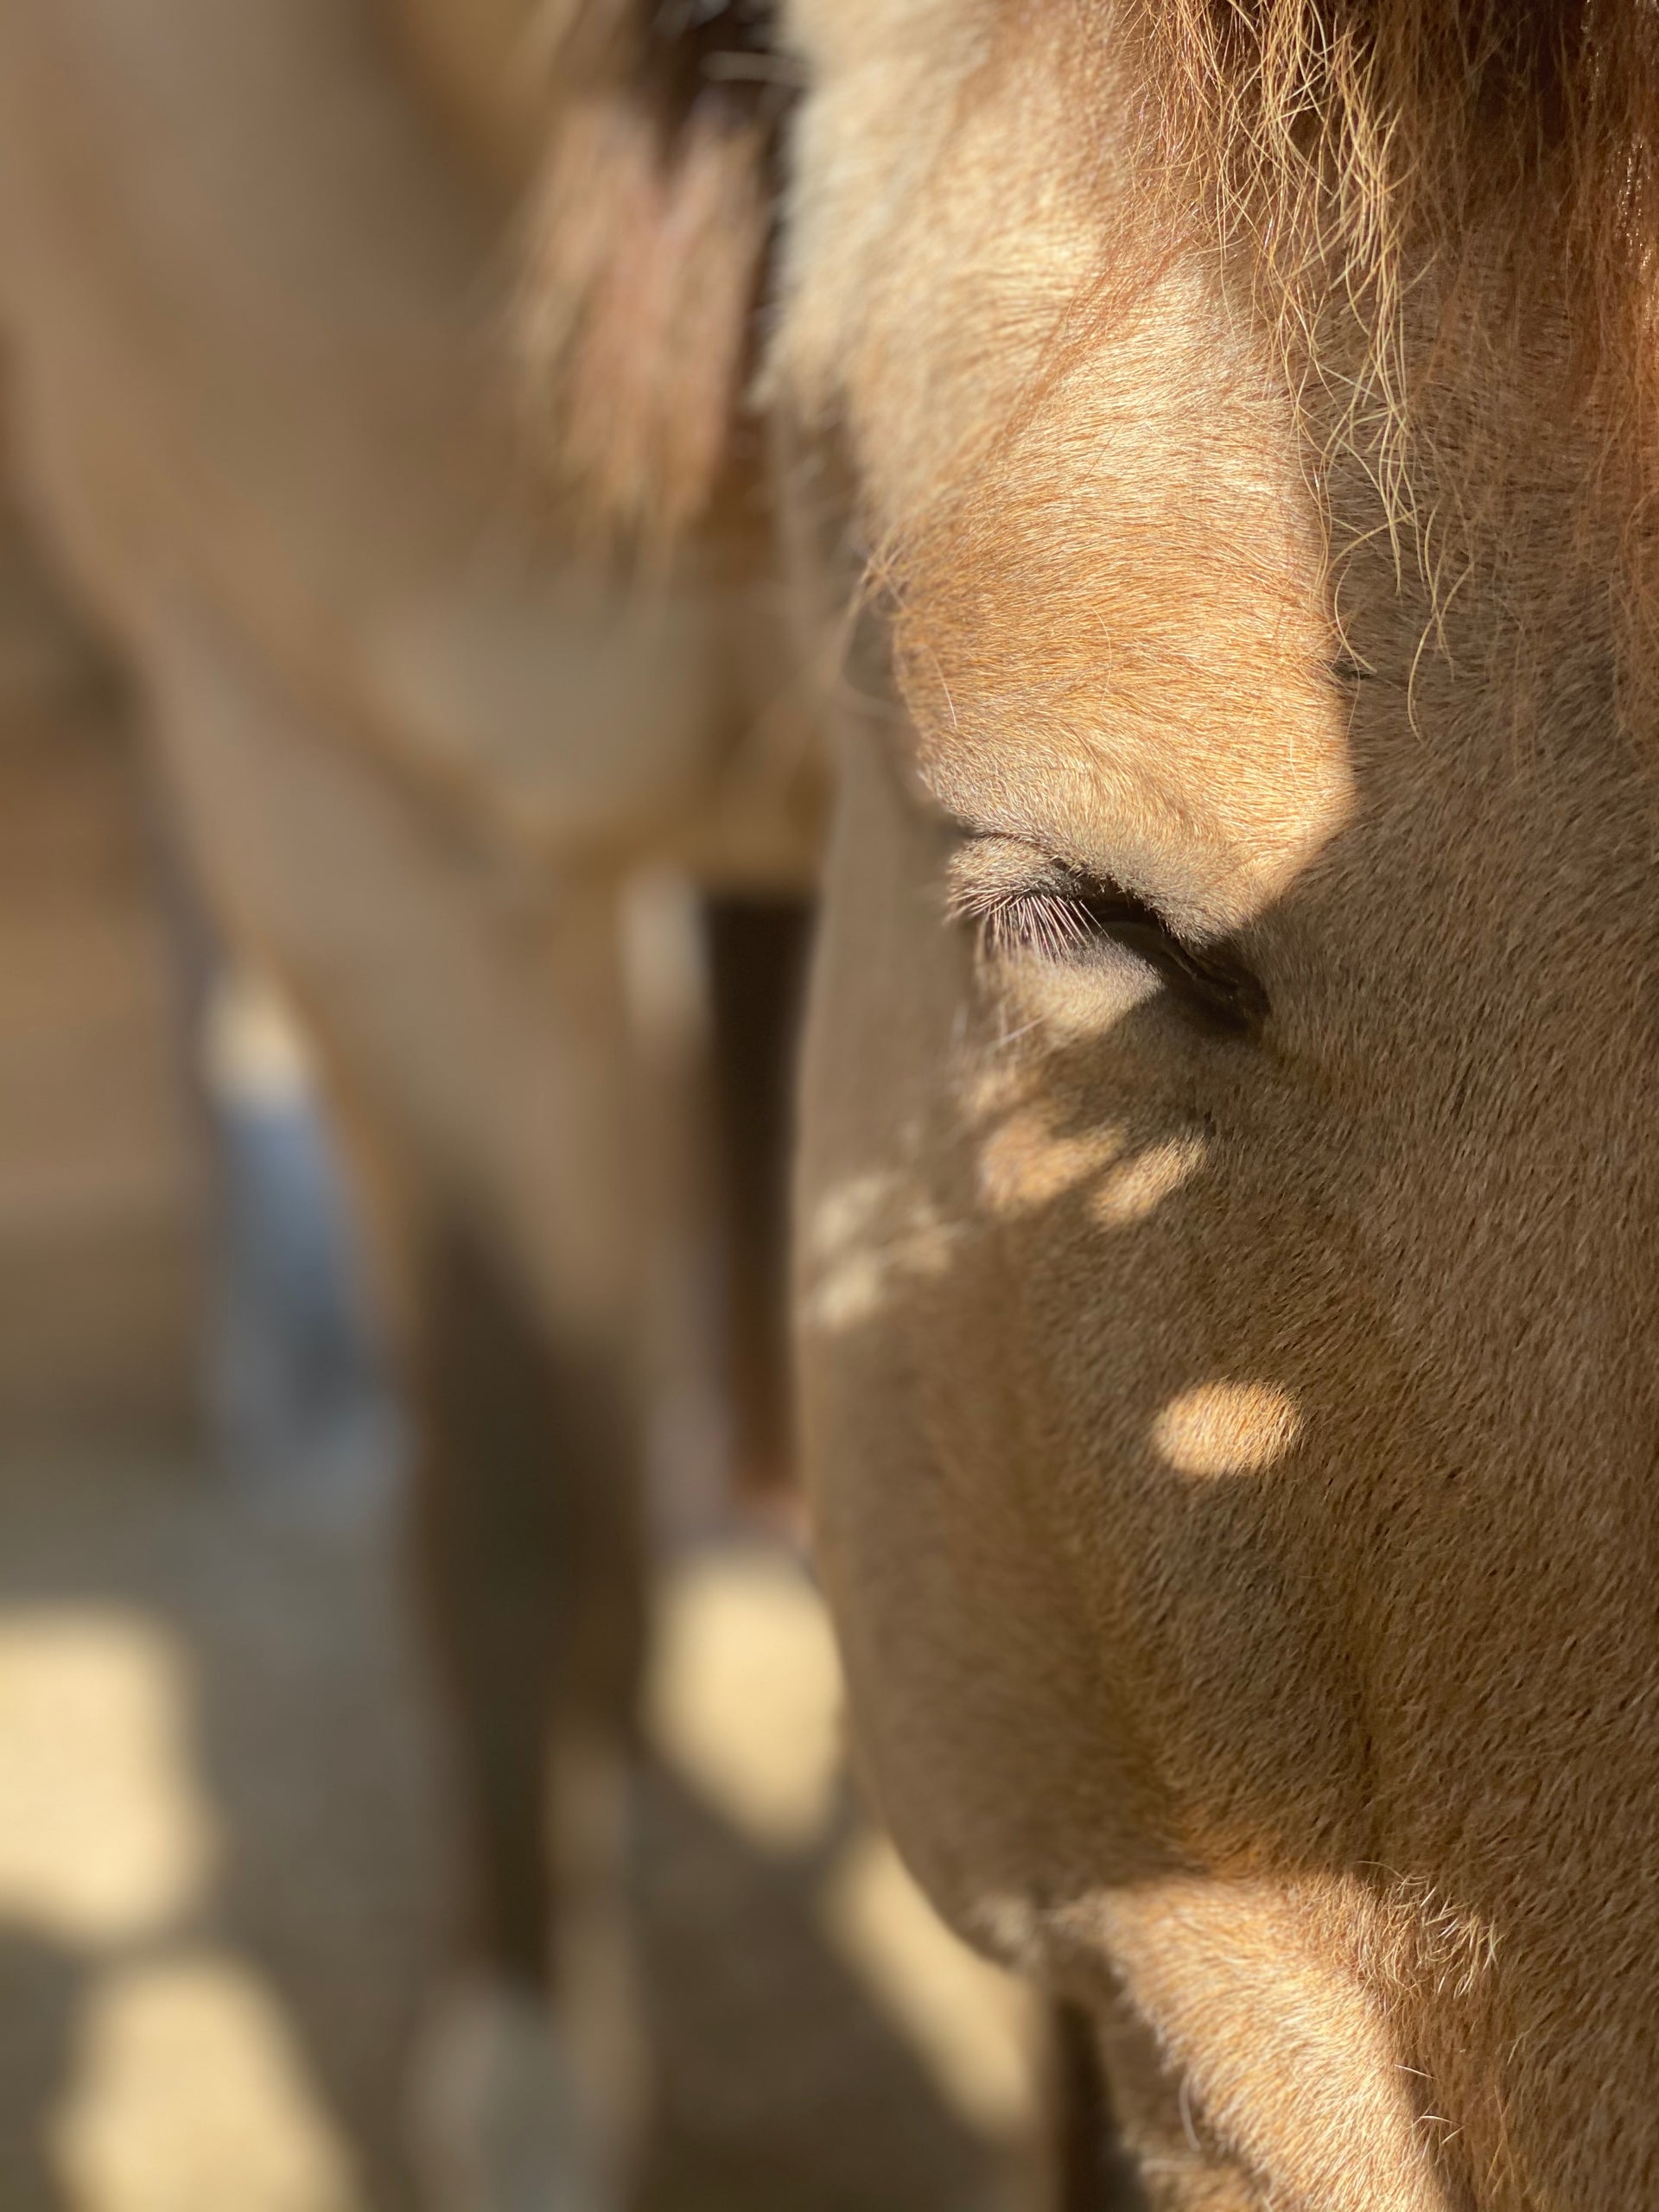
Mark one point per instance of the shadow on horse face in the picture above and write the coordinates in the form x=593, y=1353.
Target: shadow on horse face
x=1230, y=1456
x=1230, y=1444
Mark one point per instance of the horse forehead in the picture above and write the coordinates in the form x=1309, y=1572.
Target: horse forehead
x=844, y=35
x=1110, y=576
x=924, y=230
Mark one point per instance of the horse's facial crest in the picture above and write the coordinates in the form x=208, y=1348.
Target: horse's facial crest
x=1234, y=1475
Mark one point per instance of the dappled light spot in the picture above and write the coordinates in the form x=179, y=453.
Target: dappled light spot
x=1138, y=1186
x=970, y=2024
x=866, y=1237
x=1023, y=1164
x=1226, y=1429
x=846, y=1267
x=852, y=1290
x=745, y=1693
x=187, y=2095
x=992, y=1088
x=104, y=1834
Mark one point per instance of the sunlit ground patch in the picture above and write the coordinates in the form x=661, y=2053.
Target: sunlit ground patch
x=182, y=2090
x=186, y=2094
x=1226, y=1429
x=745, y=1694
x=181, y=2085
x=745, y=1703
x=104, y=1835
x=970, y=2026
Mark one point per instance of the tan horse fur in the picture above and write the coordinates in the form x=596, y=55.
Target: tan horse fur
x=1232, y=1457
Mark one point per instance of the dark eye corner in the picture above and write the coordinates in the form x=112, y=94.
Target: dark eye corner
x=1022, y=902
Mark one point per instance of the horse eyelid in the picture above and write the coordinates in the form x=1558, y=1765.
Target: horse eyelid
x=1051, y=908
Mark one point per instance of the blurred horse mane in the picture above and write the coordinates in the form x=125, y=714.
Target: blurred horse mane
x=646, y=240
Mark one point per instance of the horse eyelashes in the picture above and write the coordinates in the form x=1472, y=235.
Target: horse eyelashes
x=1059, y=915
x=1057, y=924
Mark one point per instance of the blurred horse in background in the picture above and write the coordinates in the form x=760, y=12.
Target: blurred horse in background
x=254, y=272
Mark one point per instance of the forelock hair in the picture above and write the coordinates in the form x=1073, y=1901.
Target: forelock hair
x=1436, y=174
x=645, y=246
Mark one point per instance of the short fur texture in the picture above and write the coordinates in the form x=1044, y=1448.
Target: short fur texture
x=1232, y=1460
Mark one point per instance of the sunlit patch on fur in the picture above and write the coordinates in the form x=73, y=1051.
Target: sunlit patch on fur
x=1023, y=1164
x=1226, y=1429
x=868, y=1236
x=1138, y=1186
x=1006, y=1925
x=1246, y=1981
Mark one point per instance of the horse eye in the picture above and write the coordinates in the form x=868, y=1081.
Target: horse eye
x=1052, y=911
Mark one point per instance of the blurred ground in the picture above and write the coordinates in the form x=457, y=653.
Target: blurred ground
x=225, y=1845
x=223, y=1853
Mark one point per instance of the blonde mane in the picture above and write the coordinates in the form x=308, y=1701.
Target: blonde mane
x=1437, y=176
